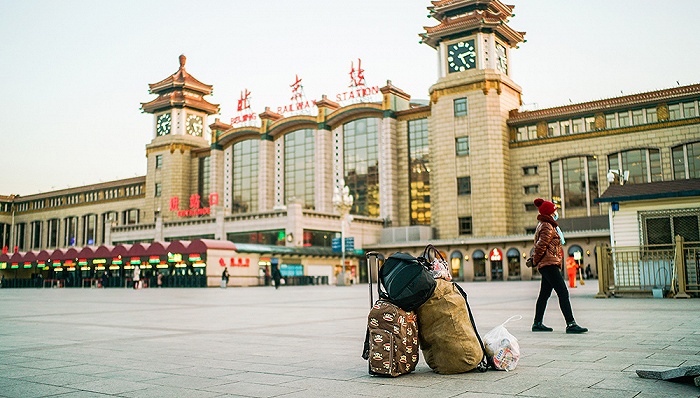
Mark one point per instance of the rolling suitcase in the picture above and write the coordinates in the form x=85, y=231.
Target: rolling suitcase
x=391, y=340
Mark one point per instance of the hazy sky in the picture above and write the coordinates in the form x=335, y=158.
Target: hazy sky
x=74, y=73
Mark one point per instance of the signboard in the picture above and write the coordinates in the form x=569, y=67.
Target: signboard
x=496, y=255
x=349, y=244
x=196, y=208
x=336, y=245
x=298, y=105
x=358, y=90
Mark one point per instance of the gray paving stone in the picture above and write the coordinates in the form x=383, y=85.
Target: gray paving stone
x=306, y=342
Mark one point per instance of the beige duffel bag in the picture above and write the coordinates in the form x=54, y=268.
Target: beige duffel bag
x=448, y=336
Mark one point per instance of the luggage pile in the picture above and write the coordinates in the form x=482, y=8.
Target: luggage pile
x=419, y=307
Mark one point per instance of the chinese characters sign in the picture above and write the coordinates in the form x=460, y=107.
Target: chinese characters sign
x=195, y=208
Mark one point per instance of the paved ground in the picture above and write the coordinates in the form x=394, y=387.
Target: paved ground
x=306, y=341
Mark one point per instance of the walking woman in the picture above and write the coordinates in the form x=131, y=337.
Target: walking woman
x=547, y=256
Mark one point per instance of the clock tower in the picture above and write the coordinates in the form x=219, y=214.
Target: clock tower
x=469, y=108
x=180, y=134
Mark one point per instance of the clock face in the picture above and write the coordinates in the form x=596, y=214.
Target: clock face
x=461, y=56
x=194, y=125
x=502, y=62
x=163, y=124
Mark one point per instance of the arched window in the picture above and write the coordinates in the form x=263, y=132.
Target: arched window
x=575, y=183
x=686, y=161
x=479, y=264
x=361, y=162
x=513, y=257
x=456, y=264
x=299, y=167
x=419, y=171
x=643, y=165
x=244, y=192
x=90, y=229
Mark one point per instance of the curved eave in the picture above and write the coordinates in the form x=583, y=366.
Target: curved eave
x=178, y=101
x=355, y=111
x=434, y=35
x=179, y=80
x=283, y=126
x=439, y=9
x=233, y=136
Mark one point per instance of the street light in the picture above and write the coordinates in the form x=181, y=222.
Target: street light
x=342, y=202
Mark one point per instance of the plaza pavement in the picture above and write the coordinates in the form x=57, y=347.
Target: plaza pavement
x=306, y=341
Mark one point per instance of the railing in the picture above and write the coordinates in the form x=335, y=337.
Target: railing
x=656, y=269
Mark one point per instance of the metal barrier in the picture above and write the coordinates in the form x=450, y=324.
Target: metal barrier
x=656, y=269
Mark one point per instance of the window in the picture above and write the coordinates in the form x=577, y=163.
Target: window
x=651, y=115
x=108, y=218
x=590, y=123
x=299, y=162
x=36, y=235
x=531, y=132
x=419, y=171
x=90, y=229
x=245, y=177
x=686, y=161
x=159, y=189
x=553, y=129
x=464, y=185
x=674, y=112
x=565, y=127
x=462, y=145
x=70, y=238
x=131, y=217
x=54, y=227
x=530, y=207
x=361, y=161
x=479, y=264
x=460, y=107
x=203, y=181
x=531, y=189
x=319, y=238
x=521, y=134
x=660, y=227
x=530, y=170
x=610, y=121
x=644, y=165
x=637, y=117
x=623, y=118
x=159, y=161
x=465, y=225
x=689, y=110
x=575, y=181
x=577, y=126
x=513, y=256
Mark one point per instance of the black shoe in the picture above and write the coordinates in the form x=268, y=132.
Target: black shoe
x=574, y=328
x=539, y=327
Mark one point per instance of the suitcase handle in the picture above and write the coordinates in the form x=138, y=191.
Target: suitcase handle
x=376, y=256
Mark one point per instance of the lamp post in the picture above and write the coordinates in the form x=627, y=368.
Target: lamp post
x=342, y=202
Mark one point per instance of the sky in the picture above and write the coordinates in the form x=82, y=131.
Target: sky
x=75, y=72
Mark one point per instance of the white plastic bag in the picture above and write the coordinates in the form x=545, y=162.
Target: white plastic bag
x=502, y=347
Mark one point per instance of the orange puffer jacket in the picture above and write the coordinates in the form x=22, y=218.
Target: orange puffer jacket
x=548, y=250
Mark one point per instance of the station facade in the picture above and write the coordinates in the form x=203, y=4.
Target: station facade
x=460, y=170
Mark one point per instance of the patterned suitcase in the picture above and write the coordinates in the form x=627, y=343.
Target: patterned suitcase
x=391, y=340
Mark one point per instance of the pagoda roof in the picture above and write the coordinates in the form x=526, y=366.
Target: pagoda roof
x=609, y=104
x=490, y=19
x=180, y=90
x=441, y=8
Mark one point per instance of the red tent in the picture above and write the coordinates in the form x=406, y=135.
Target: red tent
x=157, y=249
x=201, y=245
x=86, y=252
x=70, y=254
x=120, y=250
x=136, y=250
x=178, y=246
x=42, y=256
x=104, y=251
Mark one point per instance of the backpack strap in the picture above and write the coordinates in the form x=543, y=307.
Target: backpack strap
x=483, y=366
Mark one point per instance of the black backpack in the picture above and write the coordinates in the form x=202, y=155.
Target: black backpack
x=407, y=280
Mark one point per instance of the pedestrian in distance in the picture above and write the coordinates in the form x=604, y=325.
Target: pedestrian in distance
x=571, y=270
x=276, y=276
x=224, y=278
x=137, y=276
x=547, y=257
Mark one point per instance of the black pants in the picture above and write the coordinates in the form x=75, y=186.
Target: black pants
x=552, y=280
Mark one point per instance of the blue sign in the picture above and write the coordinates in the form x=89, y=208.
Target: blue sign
x=336, y=245
x=349, y=245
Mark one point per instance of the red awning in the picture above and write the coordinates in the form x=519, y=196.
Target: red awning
x=120, y=250
x=16, y=257
x=178, y=246
x=104, y=251
x=201, y=245
x=4, y=258
x=57, y=254
x=42, y=256
x=87, y=252
x=157, y=249
x=70, y=254
x=29, y=257
x=136, y=250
